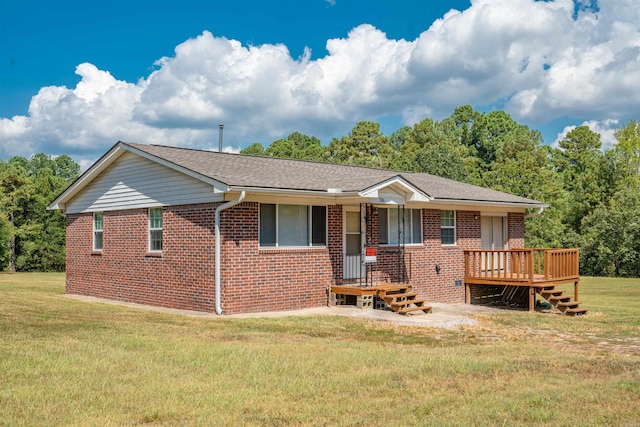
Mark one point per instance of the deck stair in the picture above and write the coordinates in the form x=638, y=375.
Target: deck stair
x=403, y=301
x=562, y=302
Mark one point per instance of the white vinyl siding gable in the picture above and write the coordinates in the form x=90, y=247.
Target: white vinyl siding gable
x=135, y=182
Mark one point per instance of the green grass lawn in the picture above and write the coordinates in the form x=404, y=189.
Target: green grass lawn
x=66, y=362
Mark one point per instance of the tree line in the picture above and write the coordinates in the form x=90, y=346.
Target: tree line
x=593, y=193
x=32, y=238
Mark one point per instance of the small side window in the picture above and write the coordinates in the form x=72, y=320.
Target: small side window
x=97, y=231
x=448, y=227
x=155, y=229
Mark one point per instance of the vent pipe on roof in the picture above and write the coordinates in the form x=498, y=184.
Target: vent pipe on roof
x=221, y=128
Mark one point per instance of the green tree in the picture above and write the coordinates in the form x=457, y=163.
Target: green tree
x=611, y=237
x=32, y=238
x=66, y=168
x=399, y=137
x=45, y=249
x=523, y=167
x=365, y=145
x=434, y=147
x=5, y=236
x=255, y=149
x=581, y=163
x=487, y=135
x=296, y=146
x=623, y=160
x=17, y=194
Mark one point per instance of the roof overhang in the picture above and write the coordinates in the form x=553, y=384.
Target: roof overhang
x=480, y=203
x=109, y=158
x=394, y=191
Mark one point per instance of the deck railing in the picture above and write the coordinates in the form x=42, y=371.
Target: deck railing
x=561, y=264
x=521, y=265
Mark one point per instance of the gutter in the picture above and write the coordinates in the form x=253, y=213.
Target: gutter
x=289, y=191
x=536, y=213
x=218, y=249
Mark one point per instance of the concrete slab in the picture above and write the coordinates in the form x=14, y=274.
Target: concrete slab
x=447, y=316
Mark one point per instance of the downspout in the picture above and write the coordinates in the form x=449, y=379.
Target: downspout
x=536, y=213
x=218, y=249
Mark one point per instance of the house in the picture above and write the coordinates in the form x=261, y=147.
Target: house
x=230, y=233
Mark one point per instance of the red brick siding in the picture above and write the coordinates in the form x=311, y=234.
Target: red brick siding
x=253, y=279
x=256, y=280
x=181, y=277
x=440, y=287
x=516, y=230
x=335, y=242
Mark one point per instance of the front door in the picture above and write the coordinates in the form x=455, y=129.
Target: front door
x=352, y=226
x=493, y=231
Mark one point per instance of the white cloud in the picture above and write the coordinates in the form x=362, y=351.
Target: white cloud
x=537, y=60
x=606, y=129
x=232, y=150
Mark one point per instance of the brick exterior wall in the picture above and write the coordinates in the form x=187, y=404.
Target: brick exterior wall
x=181, y=277
x=516, y=230
x=253, y=279
x=256, y=280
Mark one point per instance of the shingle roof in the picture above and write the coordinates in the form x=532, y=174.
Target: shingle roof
x=236, y=170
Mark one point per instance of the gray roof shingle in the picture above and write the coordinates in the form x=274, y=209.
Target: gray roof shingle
x=236, y=170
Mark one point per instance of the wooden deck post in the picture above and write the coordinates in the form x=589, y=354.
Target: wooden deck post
x=532, y=298
x=575, y=291
x=467, y=293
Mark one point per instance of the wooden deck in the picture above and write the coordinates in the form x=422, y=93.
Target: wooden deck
x=538, y=269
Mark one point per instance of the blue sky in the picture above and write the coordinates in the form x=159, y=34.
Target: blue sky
x=75, y=77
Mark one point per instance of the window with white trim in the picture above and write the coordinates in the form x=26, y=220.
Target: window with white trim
x=292, y=225
x=448, y=227
x=155, y=229
x=97, y=231
x=395, y=226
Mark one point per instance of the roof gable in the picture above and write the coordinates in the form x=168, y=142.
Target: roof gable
x=395, y=190
x=133, y=182
x=107, y=161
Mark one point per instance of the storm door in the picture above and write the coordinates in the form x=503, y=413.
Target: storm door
x=493, y=230
x=353, y=267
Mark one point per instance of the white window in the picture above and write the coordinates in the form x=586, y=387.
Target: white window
x=293, y=225
x=448, y=227
x=396, y=226
x=97, y=231
x=155, y=229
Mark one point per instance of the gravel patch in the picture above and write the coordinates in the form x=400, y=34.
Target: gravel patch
x=446, y=316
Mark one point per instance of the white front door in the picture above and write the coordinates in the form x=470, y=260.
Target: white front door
x=352, y=226
x=493, y=230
